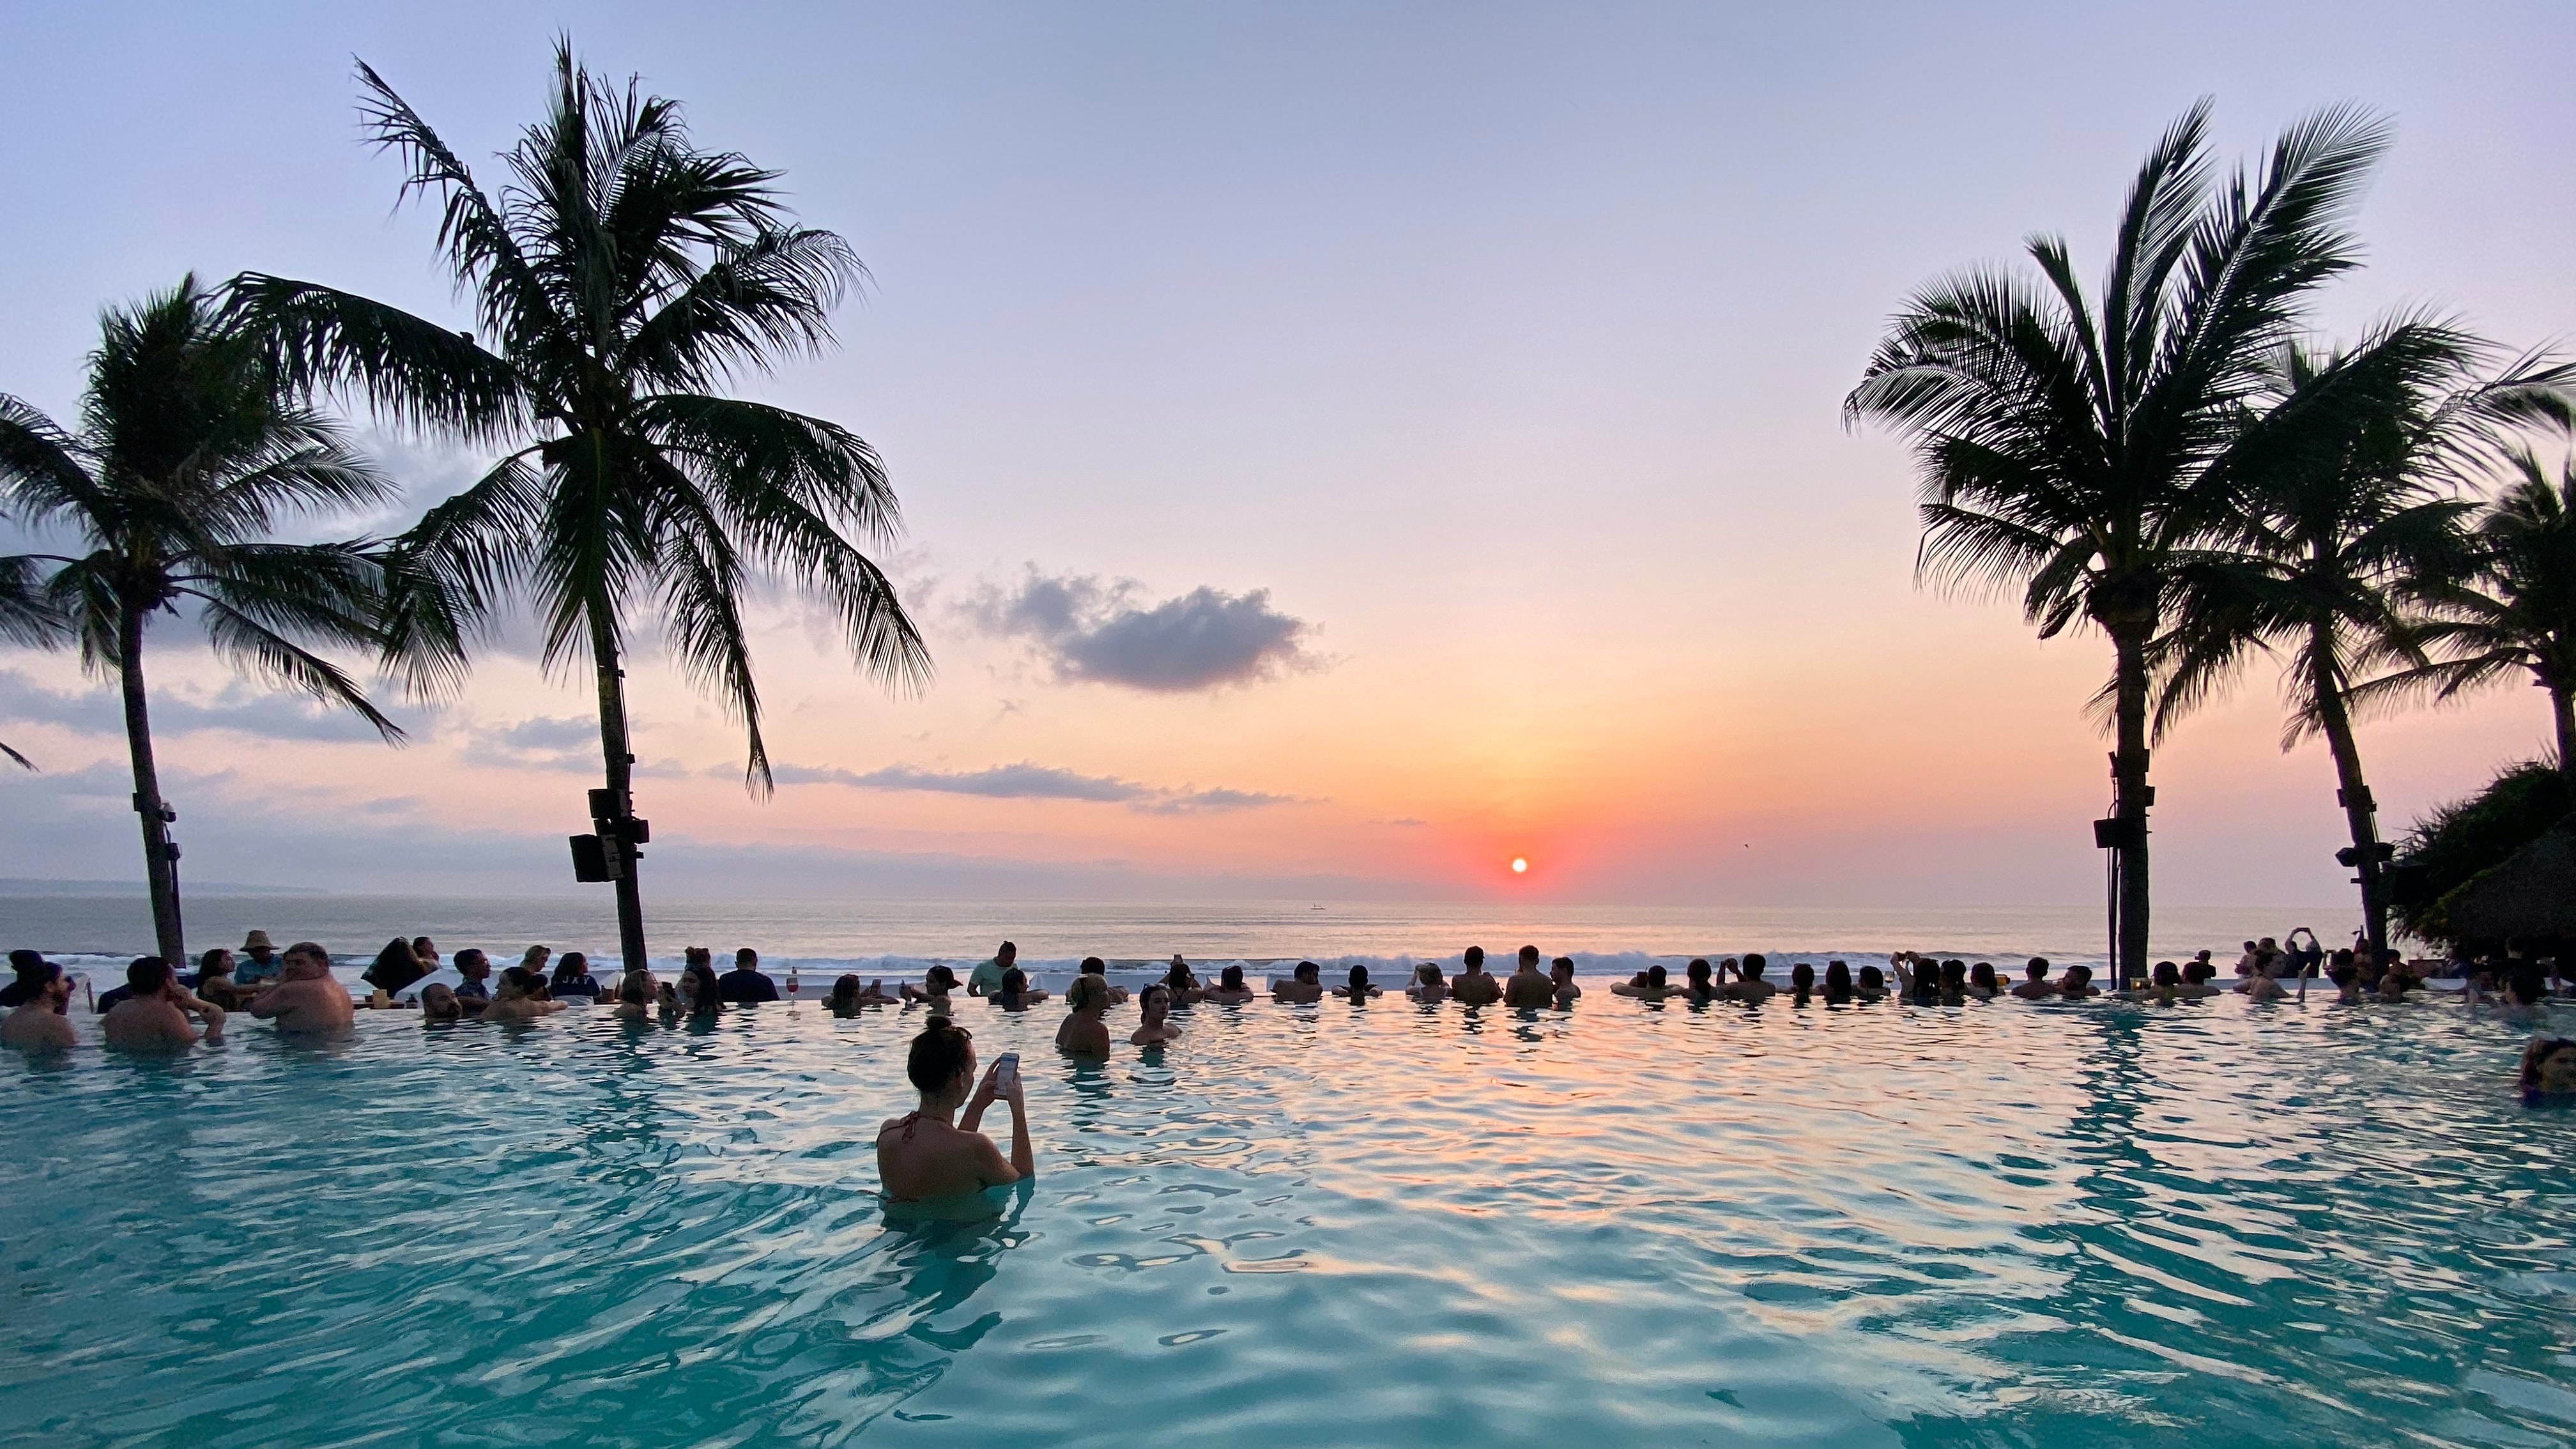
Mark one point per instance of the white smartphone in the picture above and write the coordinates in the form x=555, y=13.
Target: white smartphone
x=1006, y=1071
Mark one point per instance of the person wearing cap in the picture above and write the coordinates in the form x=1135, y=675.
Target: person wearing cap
x=38, y=1023
x=34, y=971
x=260, y=961
x=154, y=1017
x=306, y=1001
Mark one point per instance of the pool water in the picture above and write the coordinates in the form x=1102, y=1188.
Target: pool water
x=1992, y=1224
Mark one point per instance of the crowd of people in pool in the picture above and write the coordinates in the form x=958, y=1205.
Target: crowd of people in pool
x=160, y=1009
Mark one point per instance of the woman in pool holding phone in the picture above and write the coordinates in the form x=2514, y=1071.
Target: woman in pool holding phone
x=930, y=1152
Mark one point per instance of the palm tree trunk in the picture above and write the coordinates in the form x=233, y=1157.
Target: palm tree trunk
x=160, y=857
x=617, y=835
x=2129, y=805
x=2360, y=812
x=2562, y=705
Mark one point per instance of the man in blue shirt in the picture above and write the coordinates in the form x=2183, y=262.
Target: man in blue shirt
x=744, y=984
x=259, y=962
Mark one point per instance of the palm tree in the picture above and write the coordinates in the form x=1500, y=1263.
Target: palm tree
x=2515, y=611
x=26, y=617
x=2076, y=451
x=2353, y=474
x=620, y=277
x=189, y=458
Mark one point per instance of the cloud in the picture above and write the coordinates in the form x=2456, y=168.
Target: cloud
x=238, y=707
x=550, y=733
x=1022, y=781
x=1029, y=781
x=1204, y=639
x=1197, y=802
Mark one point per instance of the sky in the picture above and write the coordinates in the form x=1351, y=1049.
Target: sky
x=1342, y=448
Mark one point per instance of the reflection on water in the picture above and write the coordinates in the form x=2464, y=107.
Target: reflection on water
x=1633, y=1223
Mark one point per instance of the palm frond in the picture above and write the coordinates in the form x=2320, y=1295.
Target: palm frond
x=404, y=367
x=256, y=649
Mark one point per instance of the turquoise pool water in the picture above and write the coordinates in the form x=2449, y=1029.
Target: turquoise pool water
x=1993, y=1224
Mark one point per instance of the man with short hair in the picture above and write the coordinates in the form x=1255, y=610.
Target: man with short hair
x=155, y=1016
x=473, y=989
x=38, y=1023
x=1749, y=985
x=1529, y=986
x=1303, y=989
x=744, y=985
x=1094, y=966
x=259, y=962
x=986, y=979
x=2034, y=981
x=1474, y=985
x=306, y=1001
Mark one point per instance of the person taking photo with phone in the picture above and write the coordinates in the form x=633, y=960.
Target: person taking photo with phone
x=932, y=1152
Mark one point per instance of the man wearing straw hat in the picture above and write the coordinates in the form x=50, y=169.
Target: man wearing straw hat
x=259, y=963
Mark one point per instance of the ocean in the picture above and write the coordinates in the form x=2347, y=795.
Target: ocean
x=896, y=938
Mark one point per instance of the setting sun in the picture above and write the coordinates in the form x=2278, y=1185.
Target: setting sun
x=1519, y=866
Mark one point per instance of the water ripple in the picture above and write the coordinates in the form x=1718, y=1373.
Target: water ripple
x=1990, y=1225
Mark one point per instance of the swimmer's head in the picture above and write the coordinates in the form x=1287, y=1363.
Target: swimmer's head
x=1088, y=993
x=1309, y=972
x=942, y=1060
x=1359, y=979
x=1529, y=958
x=1474, y=958
x=1232, y=976
x=1655, y=976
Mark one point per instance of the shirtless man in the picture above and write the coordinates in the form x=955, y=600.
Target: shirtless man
x=1428, y=984
x=1084, y=1034
x=931, y=1153
x=1229, y=989
x=1304, y=989
x=1752, y=987
x=1560, y=974
x=38, y=1024
x=2034, y=981
x=2261, y=986
x=1528, y=987
x=1154, y=1004
x=1476, y=986
x=155, y=1017
x=306, y=1001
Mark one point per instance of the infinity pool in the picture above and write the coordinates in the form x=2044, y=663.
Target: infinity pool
x=1994, y=1224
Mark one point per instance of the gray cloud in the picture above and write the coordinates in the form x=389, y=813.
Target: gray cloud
x=238, y=707
x=1028, y=781
x=1088, y=630
x=1199, y=802
x=1023, y=781
x=550, y=733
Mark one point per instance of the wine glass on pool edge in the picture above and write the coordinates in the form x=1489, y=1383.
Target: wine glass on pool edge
x=791, y=987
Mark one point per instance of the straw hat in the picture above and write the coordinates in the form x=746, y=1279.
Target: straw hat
x=258, y=941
